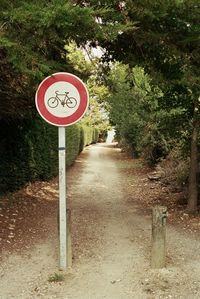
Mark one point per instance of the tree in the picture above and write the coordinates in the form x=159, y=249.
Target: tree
x=166, y=43
x=32, y=40
x=136, y=109
x=96, y=116
x=162, y=37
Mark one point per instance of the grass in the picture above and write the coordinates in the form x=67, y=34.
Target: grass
x=56, y=277
x=127, y=164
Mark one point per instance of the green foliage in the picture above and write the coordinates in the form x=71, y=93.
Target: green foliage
x=28, y=150
x=78, y=60
x=56, y=277
x=166, y=44
x=90, y=135
x=96, y=116
x=73, y=140
x=33, y=35
x=152, y=97
x=136, y=109
x=27, y=153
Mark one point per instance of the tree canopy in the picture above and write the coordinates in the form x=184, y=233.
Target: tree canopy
x=148, y=77
x=33, y=36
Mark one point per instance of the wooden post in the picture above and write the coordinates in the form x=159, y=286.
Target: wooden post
x=159, y=215
x=69, y=240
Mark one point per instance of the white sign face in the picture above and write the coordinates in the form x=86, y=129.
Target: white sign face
x=62, y=99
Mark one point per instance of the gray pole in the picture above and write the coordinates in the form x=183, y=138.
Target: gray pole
x=62, y=200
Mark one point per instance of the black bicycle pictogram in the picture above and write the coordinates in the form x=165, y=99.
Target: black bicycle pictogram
x=63, y=99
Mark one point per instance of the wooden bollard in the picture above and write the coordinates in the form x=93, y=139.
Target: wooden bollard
x=158, y=253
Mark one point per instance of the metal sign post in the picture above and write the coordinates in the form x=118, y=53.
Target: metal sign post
x=62, y=200
x=62, y=100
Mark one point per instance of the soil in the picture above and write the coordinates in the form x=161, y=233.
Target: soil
x=110, y=197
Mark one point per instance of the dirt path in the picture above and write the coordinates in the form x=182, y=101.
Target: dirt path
x=111, y=240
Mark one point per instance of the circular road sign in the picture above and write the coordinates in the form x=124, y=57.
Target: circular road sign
x=62, y=99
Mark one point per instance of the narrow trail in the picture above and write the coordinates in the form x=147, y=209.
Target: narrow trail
x=111, y=243
x=112, y=227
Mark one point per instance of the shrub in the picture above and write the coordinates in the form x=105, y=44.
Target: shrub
x=176, y=168
x=28, y=150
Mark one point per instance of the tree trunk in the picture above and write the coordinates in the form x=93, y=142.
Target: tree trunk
x=193, y=184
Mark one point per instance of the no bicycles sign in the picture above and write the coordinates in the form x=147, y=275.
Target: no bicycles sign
x=62, y=99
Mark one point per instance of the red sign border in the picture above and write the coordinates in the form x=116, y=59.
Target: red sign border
x=68, y=120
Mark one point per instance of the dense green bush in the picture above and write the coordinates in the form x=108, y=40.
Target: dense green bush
x=28, y=150
x=73, y=140
x=89, y=135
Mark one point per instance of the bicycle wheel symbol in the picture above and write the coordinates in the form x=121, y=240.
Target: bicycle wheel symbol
x=71, y=102
x=53, y=102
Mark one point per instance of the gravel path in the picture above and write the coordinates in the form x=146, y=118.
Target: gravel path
x=111, y=243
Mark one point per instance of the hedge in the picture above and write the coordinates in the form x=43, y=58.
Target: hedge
x=28, y=150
